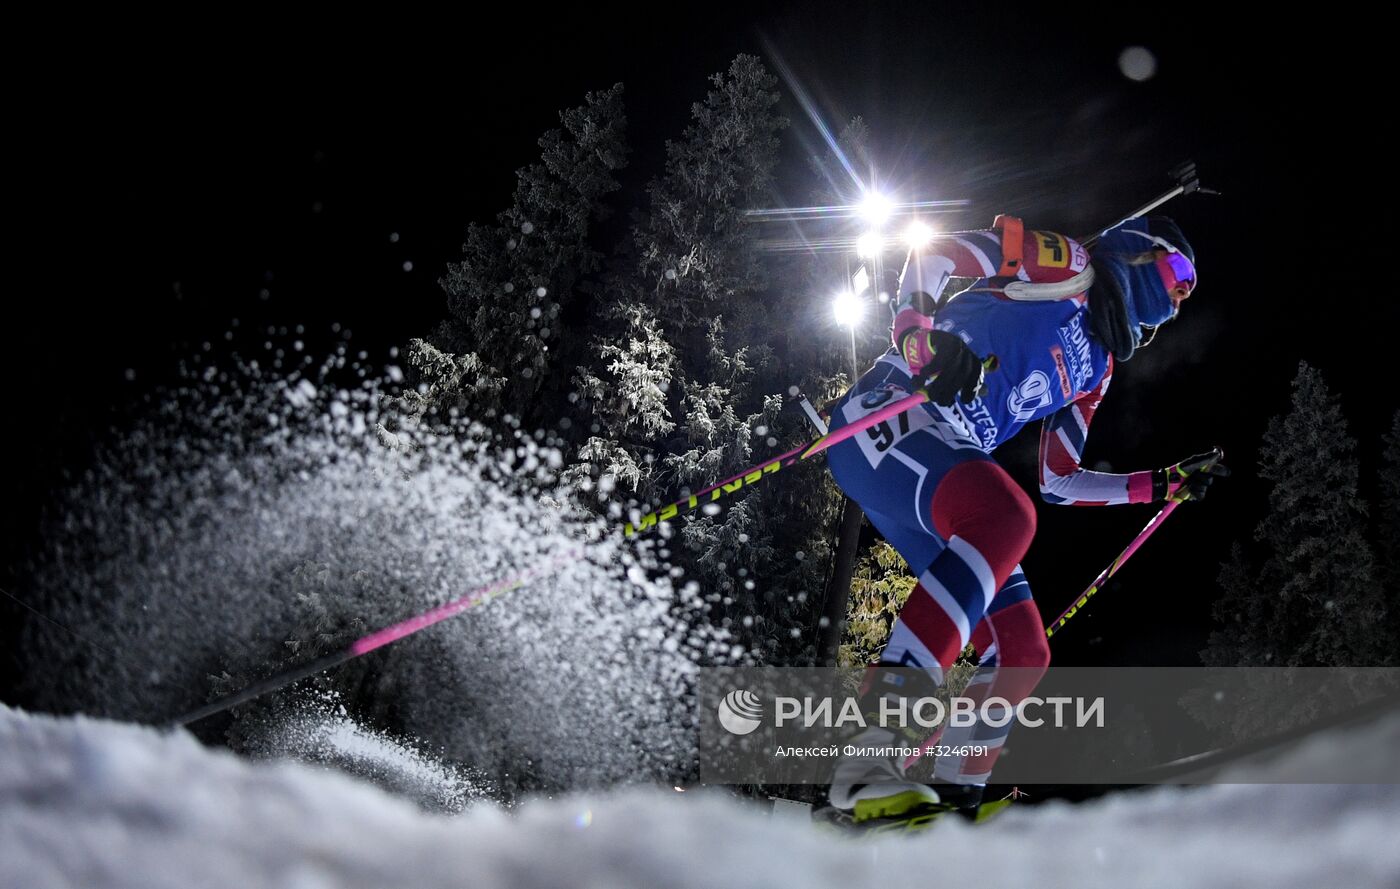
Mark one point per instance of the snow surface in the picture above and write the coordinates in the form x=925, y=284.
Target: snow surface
x=318, y=729
x=87, y=803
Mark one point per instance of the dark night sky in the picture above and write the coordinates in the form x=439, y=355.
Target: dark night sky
x=164, y=183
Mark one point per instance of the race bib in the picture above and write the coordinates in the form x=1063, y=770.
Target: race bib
x=880, y=439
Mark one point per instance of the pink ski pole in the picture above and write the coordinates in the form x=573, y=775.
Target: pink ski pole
x=1123, y=557
x=757, y=473
x=1112, y=569
x=393, y=633
x=374, y=640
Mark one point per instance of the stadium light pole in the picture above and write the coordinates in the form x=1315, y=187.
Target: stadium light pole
x=848, y=309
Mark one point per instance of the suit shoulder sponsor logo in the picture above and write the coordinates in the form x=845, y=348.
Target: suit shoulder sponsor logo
x=1066, y=387
x=979, y=417
x=1053, y=252
x=1077, y=353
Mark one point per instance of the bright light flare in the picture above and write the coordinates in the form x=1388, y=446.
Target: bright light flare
x=870, y=245
x=848, y=308
x=918, y=235
x=875, y=209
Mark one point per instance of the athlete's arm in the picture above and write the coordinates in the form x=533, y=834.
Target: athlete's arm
x=1036, y=257
x=1062, y=480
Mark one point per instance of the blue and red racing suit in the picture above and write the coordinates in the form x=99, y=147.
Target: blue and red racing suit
x=928, y=484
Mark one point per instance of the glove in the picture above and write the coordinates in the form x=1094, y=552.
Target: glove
x=949, y=370
x=1189, y=479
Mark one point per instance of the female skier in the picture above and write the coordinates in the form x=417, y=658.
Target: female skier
x=1051, y=320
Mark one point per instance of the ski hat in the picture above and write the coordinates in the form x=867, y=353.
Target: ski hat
x=1128, y=295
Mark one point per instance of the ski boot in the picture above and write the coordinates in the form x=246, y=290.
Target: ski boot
x=871, y=785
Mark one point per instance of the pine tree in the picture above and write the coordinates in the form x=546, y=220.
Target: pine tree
x=1242, y=614
x=688, y=253
x=687, y=386
x=678, y=372
x=1313, y=599
x=509, y=295
x=626, y=393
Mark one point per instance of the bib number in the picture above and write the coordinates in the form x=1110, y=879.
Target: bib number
x=878, y=440
x=883, y=435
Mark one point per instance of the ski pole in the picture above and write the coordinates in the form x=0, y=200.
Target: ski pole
x=408, y=627
x=757, y=473
x=1078, y=603
x=1187, y=183
x=1112, y=569
x=366, y=644
x=1123, y=557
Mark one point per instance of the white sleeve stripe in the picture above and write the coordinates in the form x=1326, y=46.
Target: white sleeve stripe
x=1069, y=448
x=1096, y=487
x=1079, y=418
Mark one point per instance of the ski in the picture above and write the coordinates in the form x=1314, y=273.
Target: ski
x=906, y=824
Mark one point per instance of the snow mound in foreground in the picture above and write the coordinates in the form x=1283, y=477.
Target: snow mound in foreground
x=97, y=804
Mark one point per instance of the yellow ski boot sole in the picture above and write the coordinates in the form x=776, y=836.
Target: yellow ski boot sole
x=894, y=806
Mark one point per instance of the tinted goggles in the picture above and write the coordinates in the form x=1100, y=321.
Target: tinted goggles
x=1182, y=268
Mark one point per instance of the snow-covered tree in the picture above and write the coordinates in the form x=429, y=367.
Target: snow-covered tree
x=1312, y=598
x=626, y=394
x=686, y=387
x=676, y=376
x=504, y=346
x=690, y=260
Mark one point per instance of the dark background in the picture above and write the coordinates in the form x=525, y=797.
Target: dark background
x=172, y=176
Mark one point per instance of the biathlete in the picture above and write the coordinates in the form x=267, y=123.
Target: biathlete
x=1054, y=319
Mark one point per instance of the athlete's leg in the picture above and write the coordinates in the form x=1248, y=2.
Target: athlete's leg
x=988, y=523
x=1014, y=654
x=960, y=523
